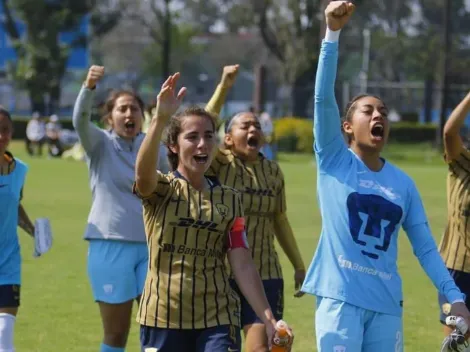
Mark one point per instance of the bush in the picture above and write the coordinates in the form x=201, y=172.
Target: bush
x=293, y=134
x=296, y=134
x=406, y=132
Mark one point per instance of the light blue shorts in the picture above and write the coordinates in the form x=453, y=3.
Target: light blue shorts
x=342, y=327
x=117, y=270
x=10, y=267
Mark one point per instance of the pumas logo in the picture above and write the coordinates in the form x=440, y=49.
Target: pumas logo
x=339, y=348
x=222, y=209
x=108, y=288
x=446, y=308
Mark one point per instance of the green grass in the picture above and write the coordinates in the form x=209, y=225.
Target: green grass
x=58, y=312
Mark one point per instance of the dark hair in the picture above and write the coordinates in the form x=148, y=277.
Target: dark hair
x=351, y=108
x=5, y=113
x=173, y=130
x=108, y=106
x=229, y=123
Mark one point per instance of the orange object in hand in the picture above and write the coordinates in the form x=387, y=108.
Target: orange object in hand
x=281, y=340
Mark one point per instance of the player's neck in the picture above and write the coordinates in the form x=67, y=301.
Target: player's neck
x=371, y=159
x=197, y=181
x=3, y=160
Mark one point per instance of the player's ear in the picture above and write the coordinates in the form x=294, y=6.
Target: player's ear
x=347, y=128
x=228, y=140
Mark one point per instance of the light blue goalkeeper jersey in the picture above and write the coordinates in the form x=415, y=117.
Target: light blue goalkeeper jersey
x=362, y=212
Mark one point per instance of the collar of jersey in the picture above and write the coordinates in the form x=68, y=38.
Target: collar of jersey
x=121, y=141
x=213, y=181
x=258, y=159
x=8, y=156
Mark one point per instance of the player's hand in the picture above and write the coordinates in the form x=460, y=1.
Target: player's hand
x=299, y=277
x=456, y=341
x=168, y=101
x=270, y=331
x=229, y=75
x=337, y=14
x=272, y=334
x=95, y=73
x=459, y=309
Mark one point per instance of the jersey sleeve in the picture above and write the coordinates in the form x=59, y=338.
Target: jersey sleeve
x=90, y=136
x=222, y=157
x=215, y=104
x=237, y=234
x=414, y=212
x=156, y=198
x=461, y=164
x=424, y=247
x=330, y=147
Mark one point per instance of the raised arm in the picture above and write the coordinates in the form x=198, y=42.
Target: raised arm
x=89, y=134
x=146, y=178
x=452, y=142
x=327, y=123
x=214, y=106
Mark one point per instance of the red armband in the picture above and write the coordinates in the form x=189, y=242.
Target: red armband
x=237, y=235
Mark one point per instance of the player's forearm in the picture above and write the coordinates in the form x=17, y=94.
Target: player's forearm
x=327, y=123
x=426, y=251
x=249, y=283
x=24, y=222
x=88, y=133
x=286, y=239
x=147, y=159
x=217, y=101
x=457, y=118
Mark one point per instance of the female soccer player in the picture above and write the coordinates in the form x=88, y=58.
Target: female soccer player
x=453, y=248
x=12, y=178
x=192, y=223
x=260, y=182
x=364, y=200
x=117, y=256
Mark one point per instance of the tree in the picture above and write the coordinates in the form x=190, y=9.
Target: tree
x=291, y=31
x=41, y=56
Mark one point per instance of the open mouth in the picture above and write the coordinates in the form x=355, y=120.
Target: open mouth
x=201, y=158
x=129, y=125
x=378, y=131
x=253, y=142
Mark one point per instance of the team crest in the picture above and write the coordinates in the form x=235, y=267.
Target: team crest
x=339, y=348
x=446, y=307
x=222, y=209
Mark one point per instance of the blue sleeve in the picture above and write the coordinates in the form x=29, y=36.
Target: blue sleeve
x=330, y=146
x=89, y=134
x=425, y=249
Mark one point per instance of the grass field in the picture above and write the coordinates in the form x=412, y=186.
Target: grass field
x=58, y=312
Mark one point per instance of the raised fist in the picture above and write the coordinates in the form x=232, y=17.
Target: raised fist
x=337, y=14
x=229, y=75
x=95, y=73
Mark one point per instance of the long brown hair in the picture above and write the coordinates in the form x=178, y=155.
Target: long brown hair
x=173, y=130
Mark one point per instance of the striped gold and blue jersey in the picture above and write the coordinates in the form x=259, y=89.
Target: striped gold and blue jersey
x=261, y=186
x=187, y=285
x=455, y=244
